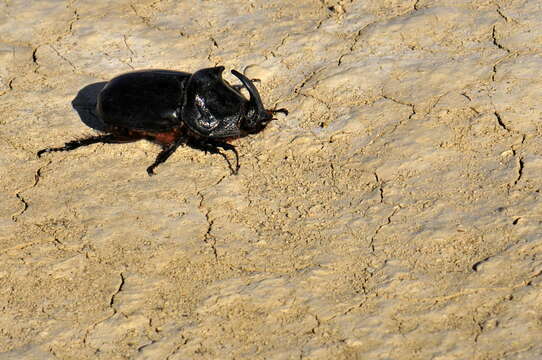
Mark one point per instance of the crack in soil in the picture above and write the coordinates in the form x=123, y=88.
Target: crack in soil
x=380, y=187
x=35, y=59
x=74, y=68
x=354, y=43
x=521, y=165
x=119, y=289
x=496, y=41
x=380, y=227
x=207, y=237
x=500, y=122
x=22, y=200
x=111, y=306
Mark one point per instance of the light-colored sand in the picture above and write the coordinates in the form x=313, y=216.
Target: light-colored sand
x=394, y=214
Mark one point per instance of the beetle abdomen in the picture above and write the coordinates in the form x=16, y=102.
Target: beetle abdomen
x=148, y=100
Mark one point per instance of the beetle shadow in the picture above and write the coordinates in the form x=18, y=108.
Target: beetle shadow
x=85, y=105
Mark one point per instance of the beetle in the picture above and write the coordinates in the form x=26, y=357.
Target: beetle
x=173, y=108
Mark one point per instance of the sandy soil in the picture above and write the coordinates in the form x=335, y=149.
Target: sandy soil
x=394, y=214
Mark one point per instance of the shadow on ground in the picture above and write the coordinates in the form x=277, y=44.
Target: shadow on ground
x=85, y=105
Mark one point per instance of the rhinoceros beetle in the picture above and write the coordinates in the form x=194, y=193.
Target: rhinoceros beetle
x=171, y=108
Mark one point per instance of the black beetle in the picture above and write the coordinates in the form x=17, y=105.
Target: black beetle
x=173, y=108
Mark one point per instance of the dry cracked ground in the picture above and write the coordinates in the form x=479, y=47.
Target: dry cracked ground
x=394, y=214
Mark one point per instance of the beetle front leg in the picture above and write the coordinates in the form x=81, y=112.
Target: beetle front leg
x=212, y=147
x=232, y=148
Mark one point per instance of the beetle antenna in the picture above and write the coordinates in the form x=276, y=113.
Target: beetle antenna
x=281, y=110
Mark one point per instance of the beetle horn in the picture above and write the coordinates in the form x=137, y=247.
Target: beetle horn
x=255, y=98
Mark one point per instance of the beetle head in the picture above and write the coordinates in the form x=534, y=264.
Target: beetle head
x=212, y=108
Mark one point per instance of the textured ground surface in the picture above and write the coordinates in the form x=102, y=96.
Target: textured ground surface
x=394, y=214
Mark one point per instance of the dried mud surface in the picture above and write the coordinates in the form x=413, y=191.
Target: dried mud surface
x=394, y=214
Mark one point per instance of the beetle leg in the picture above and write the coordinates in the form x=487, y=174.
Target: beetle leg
x=232, y=148
x=212, y=147
x=166, y=152
x=238, y=87
x=74, y=144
